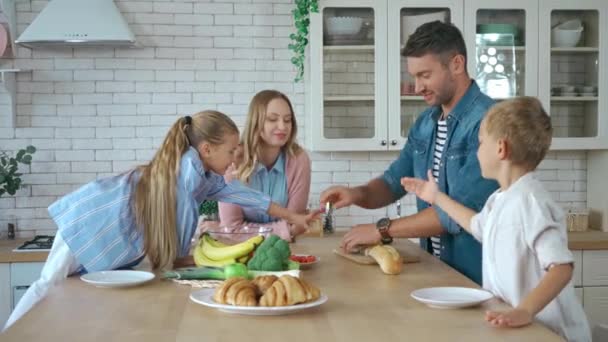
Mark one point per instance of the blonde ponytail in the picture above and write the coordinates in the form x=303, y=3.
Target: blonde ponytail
x=156, y=193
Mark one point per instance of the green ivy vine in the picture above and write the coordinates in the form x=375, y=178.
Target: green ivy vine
x=301, y=16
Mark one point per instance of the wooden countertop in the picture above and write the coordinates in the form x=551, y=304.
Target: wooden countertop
x=589, y=240
x=364, y=305
x=7, y=254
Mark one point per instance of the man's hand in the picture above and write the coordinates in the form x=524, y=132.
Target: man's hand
x=361, y=235
x=509, y=319
x=339, y=196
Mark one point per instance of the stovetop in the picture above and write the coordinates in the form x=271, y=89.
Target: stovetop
x=40, y=243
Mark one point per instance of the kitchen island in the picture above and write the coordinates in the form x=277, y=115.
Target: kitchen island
x=364, y=305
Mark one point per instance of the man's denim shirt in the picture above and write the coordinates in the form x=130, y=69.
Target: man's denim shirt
x=459, y=174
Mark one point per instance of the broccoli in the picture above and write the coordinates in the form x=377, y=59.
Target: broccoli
x=272, y=255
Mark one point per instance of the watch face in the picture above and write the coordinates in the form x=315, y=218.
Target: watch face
x=386, y=240
x=383, y=223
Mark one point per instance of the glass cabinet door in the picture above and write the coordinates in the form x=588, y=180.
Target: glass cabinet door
x=503, y=46
x=573, y=37
x=352, y=86
x=405, y=17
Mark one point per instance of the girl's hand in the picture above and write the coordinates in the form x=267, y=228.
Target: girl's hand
x=302, y=221
x=427, y=190
x=509, y=319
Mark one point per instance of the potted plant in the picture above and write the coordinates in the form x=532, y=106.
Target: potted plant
x=301, y=17
x=10, y=179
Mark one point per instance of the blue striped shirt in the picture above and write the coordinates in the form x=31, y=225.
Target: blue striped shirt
x=97, y=221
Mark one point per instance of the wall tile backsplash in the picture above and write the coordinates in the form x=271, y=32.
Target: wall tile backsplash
x=94, y=112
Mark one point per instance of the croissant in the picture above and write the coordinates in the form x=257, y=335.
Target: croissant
x=288, y=290
x=264, y=282
x=236, y=291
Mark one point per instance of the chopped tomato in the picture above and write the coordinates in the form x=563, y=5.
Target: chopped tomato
x=303, y=259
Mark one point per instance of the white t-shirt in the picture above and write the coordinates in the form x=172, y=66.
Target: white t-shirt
x=523, y=233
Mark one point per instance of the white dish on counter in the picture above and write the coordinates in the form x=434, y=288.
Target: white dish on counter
x=118, y=278
x=205, y=297
x=451, y=297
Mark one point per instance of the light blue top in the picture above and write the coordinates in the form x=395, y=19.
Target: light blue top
x=271, y=182
x=97, y=221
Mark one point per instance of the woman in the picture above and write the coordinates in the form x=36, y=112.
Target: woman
x=272, y=162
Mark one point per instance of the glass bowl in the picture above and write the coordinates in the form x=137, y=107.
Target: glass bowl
x=232, y=235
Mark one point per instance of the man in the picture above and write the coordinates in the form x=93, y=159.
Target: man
x=444, y=139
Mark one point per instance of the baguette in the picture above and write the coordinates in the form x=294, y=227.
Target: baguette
x=387, y=257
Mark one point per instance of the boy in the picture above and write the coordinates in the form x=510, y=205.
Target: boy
x=526, y=261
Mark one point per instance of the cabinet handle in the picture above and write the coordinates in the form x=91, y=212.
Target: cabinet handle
x=393, y=142
x=383, y=142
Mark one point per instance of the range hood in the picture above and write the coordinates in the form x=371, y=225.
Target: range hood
x=78, y=23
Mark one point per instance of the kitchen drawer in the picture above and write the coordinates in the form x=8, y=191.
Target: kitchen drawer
x=596, y=304
x=5, y=293
x=595, y=272
x=577, y=275
x=18, y=292
x=578, y=291
x=25, y=273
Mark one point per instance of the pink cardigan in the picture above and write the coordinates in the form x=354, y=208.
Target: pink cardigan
x=297, y=170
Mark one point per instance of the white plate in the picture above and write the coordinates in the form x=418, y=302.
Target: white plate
x=119, y=278
x=205, y=297
x=309, y=264
x=451, y=297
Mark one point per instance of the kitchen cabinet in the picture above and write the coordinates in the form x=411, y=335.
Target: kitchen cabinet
x=519, y=48
x=23, y=274
x=360, y=96
x=591, y=284
x=580, y=117
x=5, y=293
x=15, y=279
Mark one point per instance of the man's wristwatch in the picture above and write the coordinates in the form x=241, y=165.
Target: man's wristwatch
x=382, y=225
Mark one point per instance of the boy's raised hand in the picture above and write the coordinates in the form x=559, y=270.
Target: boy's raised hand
x=513, y=318
x=427, y=190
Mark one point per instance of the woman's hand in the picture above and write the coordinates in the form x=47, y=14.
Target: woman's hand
x=427, y=190
x=513, y=318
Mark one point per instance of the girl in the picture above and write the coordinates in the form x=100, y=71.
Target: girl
x=150, y=211
x=272, y=162
x=526, y=261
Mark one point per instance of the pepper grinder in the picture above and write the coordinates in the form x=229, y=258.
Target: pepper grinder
x=11, y=231
x=398, y=207
x=328, y=222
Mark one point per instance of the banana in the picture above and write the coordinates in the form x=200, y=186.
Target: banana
x=200, y=259
x=213, y=241
x=243, y=259
x=229, y=252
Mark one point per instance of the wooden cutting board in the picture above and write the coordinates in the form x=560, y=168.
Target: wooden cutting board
x=407, y=255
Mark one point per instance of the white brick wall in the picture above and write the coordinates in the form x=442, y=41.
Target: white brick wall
x=93, y=112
